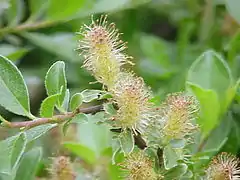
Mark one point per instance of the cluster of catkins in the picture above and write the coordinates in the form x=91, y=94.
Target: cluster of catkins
x=104, y=57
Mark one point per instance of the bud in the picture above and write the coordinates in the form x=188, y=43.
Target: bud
x=138, y=166
x=103, y=50
x=224, y=167
x=175, y=118
x=132, y=98
x=62, y=169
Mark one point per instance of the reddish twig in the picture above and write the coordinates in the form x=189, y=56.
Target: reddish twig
x=55, y=119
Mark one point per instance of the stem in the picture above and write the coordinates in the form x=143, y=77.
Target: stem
x=27, y=27
x=55, y=119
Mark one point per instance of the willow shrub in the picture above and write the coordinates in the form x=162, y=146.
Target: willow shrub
x=119, y=132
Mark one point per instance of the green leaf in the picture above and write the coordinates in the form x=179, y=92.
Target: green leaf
x=210, y=108
x=89, y=95
x=76, y=101
x=187, y=175
x=216, y=76
x=38, y=131
x=11, y=151
x=29, y=163
x=16, y=12
x=178, y=143
x=79, y=118
x=19, y=148
x=37, y=8
x=219, y=135
x=109, y=109
x=82, y=151
x=5, y=176
x=94, y=136
x=12, y=52
x=59, y=44
x=66, y=100
x=115, y=148
x=176, y=172
x=55, y=81
x=59, y=11
x=233, y=47
x=126, y=141
x=157, y=52
x=232, y=7
x=104, y=6
x=105, y=95
x=214, y=88
x=170, y=157
x=6, y=149
x=47, y=106
x=13, y=91
x=150, y=45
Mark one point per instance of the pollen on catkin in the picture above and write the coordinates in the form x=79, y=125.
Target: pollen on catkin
x=223, y=167
x=61, y=169
x=103, y=50
x=132, y=98
x=137, y=166
x=175, y=117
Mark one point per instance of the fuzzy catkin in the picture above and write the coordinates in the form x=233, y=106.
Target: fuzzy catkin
x=224, y=167
x=137, y=166
x=132, y=98
x=103, y=51
x=62, y=169
x=174, y=119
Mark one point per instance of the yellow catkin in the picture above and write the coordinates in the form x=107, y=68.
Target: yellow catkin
x=179, y=112
x=138, y=166
x=174, y=118
x=103, y=51
x=132, y=98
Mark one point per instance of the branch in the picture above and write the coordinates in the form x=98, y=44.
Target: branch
x=55, y=119
x=27, y=27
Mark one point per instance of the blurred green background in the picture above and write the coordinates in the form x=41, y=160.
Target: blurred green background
x=164, y=36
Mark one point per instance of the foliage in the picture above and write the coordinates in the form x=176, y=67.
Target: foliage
x=118, y=127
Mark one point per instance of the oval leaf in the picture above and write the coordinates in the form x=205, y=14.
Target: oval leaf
x=126, y=141
x=82, y=151
x=13, y=91
x=38, y=131
x=216, y=76
x=79, y=118
x=176, y=172
x=170, y=157
x=19, y=148
x=90, y=95
x=47, y=106
x=11, y=150
x=29, y=164
x=94, y=136
x=57, y=9
x=76, y=101
x=54, y=43
x=66, y=100
x=55, y=81
x=210, y=108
